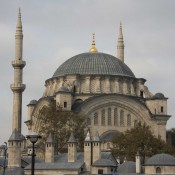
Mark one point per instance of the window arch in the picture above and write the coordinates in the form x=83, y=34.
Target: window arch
x=158, y=170
x=115, y=117
x=121, y=118
x=88, y=121
x=128, y=120
x=95, y=118
x=109, y=116
x=103, y=117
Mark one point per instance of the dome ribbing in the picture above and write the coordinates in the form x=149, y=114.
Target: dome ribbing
x=93, y=64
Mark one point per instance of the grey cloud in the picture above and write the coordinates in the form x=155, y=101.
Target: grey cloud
x=54, y=27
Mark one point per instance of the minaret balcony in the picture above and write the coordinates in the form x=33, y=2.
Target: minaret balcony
x=18, y=63
x=17, y=87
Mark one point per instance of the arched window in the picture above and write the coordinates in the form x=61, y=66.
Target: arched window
x=128, y=120
x=115, y=117
x=103, y=117
x=65, y=104
x=158, y=170
x=109, y=116
x=135, y=123
x=108, y=145
x=95, y=118
x=121, y=118
x=88, y=121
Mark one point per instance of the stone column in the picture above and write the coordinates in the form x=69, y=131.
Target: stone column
x=132, y=87
x=116, y=86
x=87, y=84
x=125, y=86
x=97, y=85
x=107, y=84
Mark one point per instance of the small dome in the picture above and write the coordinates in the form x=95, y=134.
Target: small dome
x=63, y=89
x=94, y=63
x=127, y=167
x=33, y=102
x=159, y=95
x=161, y=159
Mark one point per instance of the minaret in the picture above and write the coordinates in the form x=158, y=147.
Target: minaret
x=120, y=46
x=17, y=87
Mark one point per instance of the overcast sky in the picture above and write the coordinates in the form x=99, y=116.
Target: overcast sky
x=55, y=30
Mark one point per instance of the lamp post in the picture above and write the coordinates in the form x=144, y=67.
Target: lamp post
x=33, y=139
x=5, y=157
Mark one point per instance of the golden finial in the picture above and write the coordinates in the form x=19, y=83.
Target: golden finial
x=93, y=48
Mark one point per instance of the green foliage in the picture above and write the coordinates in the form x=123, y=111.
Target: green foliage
x=61, y=123
x=171, y=136
x=139, y=139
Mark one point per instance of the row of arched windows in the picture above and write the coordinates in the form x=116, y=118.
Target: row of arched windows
x=107, y=116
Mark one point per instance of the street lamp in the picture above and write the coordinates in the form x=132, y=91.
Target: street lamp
x=33, y=139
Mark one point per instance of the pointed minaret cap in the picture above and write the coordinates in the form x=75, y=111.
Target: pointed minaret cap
x=16, y=136
x=50, y=139
x=72, y=139
x=120, y=45
x=96, y=138
x=88, y=137
x=93, y=48
x=19, y=23
x=120, y=32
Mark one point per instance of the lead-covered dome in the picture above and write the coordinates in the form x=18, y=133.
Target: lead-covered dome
x=161, y=159
x=94, y=64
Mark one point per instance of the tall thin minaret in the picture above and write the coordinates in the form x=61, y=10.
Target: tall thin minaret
x=17, y=87
x=120, y=46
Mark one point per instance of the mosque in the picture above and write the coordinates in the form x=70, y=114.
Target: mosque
x=104, y=89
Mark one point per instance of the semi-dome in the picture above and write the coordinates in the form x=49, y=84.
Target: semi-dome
x=161, y=159
x=94, y=64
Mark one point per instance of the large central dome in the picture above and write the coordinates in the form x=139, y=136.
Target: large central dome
x=94, y=64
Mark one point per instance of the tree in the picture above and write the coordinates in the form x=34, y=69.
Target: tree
x=60, y=123
x=171, y=136
x=139, y=139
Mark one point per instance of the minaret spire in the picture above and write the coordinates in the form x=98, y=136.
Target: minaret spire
x=17, y=87
x=93, y=48
x=120, y=46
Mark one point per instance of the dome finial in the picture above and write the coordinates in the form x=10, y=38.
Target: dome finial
x=93, y=48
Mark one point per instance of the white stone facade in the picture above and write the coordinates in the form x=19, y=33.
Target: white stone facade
x=110, y=103
x=108, y=93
